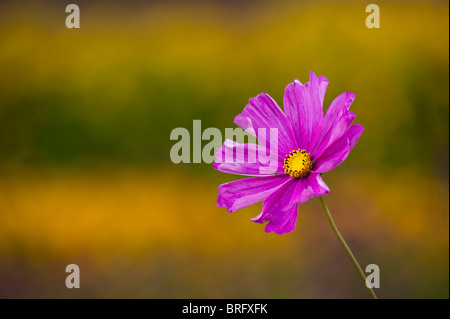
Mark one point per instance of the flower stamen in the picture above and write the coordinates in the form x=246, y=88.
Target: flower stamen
x=297, y=163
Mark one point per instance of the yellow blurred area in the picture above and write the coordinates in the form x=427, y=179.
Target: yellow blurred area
x=115, y=212
x=136, y=211
x=133, y=215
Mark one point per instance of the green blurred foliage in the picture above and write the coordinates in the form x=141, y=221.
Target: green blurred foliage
x=113, y=90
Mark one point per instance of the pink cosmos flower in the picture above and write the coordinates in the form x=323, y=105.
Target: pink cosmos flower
x=309, y=144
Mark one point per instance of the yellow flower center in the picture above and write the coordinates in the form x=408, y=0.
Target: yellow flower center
x=297, y=163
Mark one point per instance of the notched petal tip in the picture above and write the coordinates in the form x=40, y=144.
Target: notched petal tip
x=323, y=79
x=312, y=76
x=220, y=202
x=280, y=229
x=272, y=226
x=349, y=99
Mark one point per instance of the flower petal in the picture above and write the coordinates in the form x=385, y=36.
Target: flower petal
x=245, y=159
x=248, y=191
x=303, y=105
x=309, y=187
x=336, y=121
x=337, y=152
x=277, y=211
x=262, y=112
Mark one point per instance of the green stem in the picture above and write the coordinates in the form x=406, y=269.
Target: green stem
x=347, y=249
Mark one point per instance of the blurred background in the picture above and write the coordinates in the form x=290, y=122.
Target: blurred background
x=85, y=172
